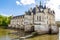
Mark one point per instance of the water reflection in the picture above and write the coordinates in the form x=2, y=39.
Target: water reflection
x=5, y=38
x=3, y=34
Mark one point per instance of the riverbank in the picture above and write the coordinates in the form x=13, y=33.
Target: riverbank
x=4, y=32
x=44, y=37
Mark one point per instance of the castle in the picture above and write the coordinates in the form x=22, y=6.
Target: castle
x=39, y=19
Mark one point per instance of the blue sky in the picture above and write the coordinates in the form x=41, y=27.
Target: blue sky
x=10, y=7
x=18, y=7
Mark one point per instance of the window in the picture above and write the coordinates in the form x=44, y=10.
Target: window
x=47, y=22
x=47, y=17
x=39, y=18
x=26, y=23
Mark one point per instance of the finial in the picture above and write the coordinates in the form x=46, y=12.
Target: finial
x=41, y=6
x=40, y=2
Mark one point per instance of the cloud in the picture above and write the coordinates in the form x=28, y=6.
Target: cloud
x=55, y=5
x=17, y=2
x=5, y=14
x=25, y=2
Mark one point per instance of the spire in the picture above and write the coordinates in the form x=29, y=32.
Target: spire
x=41, y=6
x=40, y=2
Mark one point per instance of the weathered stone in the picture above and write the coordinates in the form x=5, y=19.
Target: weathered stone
x=27, y=28
x=54, y=29
x=21, y=27
x=40, y=29
x=39, y=17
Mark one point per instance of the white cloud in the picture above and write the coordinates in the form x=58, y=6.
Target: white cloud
x=5, y=14
x=17, y=2
x=54, y=4
x=25, y=2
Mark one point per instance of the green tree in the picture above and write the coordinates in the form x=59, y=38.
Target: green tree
x=4, y=21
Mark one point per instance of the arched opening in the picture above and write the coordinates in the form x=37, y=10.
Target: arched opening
x=49, y=29
x=32, y=28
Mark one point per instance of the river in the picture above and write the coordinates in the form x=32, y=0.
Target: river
x=4, y=35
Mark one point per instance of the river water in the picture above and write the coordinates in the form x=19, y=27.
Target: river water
x=5, y=38
x=4, y=35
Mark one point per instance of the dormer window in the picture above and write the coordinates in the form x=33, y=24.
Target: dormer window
x=49, y=11
x=41, y=10
x=28, y=13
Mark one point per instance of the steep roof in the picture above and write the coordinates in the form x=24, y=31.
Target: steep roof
x=17, y=16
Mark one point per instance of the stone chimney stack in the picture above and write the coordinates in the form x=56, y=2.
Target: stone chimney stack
x=30, y=10
x=37, y=9
x=36, y=6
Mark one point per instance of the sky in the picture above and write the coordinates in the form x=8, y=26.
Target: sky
x=18, y=7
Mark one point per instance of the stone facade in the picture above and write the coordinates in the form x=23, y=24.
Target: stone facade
x=39, y=18
x=17, y=22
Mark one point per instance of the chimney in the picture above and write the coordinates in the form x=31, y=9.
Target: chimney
x=36, y=6
x=30, y=10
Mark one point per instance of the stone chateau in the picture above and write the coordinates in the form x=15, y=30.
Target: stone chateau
x=39, y=19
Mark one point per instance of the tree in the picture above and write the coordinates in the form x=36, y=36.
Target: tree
x=4, y=21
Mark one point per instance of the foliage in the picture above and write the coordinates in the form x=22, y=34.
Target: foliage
x=58, y=23
x=4, y=21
